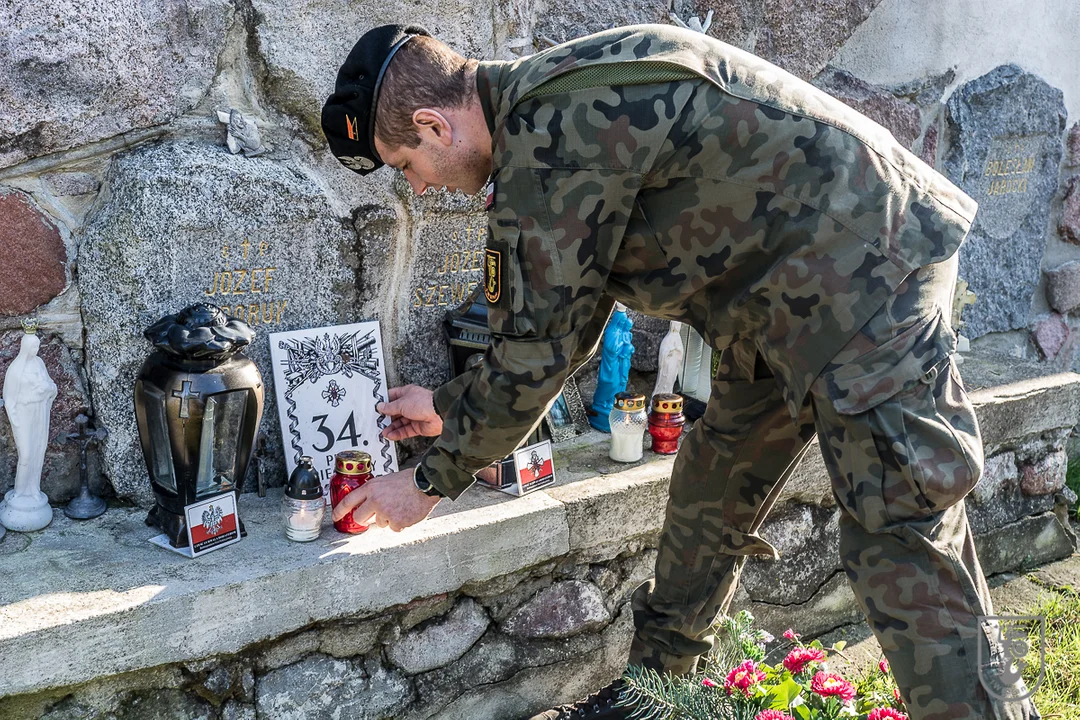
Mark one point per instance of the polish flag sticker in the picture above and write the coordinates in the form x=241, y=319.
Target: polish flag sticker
x=212, y=524
x=534, y=466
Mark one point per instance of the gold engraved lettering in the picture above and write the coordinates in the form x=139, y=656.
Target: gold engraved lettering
x=280, y=311
x=253, y=313
x=418, y=298
x=1010, y=166
x=246, y=244
x=225, y=281
x=225, y=251
x=254, y=286
x=1008, y=186
x=428, y=301
x=269, y=273
x=238, y=286
x=457, y=294
x=263, y=247
x=442, y=290
x=1008, y=163
x=213, y=286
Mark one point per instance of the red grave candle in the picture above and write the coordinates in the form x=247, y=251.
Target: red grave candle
x=352, y=469
x=666, y=423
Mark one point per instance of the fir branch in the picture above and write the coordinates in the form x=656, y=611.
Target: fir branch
x=657, y=697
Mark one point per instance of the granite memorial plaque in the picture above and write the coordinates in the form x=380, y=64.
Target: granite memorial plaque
x=180, y=223
x=447, y=265
x=1005, y=132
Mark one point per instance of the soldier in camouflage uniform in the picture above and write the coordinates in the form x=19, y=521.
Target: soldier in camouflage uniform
x=696, y=182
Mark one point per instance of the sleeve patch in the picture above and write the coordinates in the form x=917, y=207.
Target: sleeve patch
x=493, y=275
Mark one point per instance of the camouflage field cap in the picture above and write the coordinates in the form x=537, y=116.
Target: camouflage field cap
x=348, y=116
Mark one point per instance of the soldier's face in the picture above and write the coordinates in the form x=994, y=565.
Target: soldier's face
x=442, y=159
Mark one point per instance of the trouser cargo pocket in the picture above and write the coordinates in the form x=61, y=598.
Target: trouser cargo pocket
x=898, y=430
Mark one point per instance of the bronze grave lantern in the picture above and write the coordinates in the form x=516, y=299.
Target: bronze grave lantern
x=198, y=405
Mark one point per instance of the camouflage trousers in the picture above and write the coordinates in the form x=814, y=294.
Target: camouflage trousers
x=902, y=447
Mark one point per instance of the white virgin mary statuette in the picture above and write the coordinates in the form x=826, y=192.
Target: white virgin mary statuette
x=28, y=397
x=670, y=360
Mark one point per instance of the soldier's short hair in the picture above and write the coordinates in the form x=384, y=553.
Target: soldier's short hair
x=425, y=73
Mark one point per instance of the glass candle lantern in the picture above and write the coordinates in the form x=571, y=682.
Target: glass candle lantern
x=666, y=423
x=303, y=506
x=352, y=469
x=628, y=420
x=198, y=405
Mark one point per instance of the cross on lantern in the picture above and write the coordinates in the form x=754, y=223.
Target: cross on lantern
x=185, y=394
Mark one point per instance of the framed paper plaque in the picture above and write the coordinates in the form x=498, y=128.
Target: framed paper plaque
x=328, y=382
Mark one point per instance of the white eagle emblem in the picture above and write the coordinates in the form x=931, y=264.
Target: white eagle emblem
x=212, y=518
x=356, y=162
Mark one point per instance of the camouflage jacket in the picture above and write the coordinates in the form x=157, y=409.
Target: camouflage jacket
x=707, y=186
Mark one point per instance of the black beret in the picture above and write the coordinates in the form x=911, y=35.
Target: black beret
x=348, y=116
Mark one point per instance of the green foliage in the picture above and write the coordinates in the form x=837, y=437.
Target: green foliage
x=704, y=696
x=1059, y=693
x=737, y=640
x=657, y=697
x=1072, y=479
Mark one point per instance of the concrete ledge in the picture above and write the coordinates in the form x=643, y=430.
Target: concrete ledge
x=81, y=601
x=615, y=506
x=95, y=599
x=1027, y=407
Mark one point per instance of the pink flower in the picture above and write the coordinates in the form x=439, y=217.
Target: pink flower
x=832, y=685
x=772, y=715
x=743, y=676
x=800, y=657
x=886, y=714
x=896, y=694
x=791, y=635
x=708, y=683
x=884, y=665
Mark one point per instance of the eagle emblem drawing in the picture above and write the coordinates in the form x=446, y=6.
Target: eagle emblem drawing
x=212, y=518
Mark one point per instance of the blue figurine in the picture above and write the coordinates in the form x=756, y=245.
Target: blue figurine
x=614, y=367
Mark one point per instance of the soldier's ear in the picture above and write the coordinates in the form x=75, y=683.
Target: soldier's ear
x=433, y=125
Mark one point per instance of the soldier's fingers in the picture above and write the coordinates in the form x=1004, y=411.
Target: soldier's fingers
x=363, y=514
x=381, y=521
x=400, y=429
x=396, y=392
x=350, y=502
x=390, y=409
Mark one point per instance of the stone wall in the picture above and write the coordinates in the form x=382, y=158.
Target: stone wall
x=119, y=201
x=497, y=607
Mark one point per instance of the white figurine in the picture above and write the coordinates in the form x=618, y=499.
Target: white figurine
x=28, y=397
x=669, y=363
x=242, y=133
x=693, y=23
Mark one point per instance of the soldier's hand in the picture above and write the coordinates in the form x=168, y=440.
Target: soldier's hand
x=413, y=413
x=391, y=501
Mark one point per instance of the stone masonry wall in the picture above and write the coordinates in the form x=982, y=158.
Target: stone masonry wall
x=515, y=644
x=119, y=202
